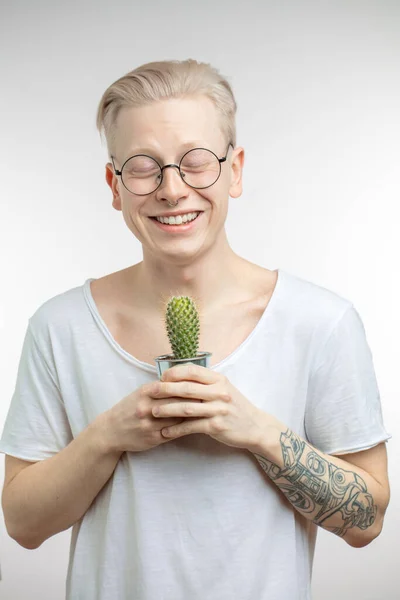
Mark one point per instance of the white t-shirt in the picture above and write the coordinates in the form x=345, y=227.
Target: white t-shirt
x=195, y=518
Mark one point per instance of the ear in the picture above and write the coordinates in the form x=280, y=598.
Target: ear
x=113, y=182
x=237, y=162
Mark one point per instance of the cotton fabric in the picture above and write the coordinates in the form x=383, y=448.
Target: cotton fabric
x=195, y=518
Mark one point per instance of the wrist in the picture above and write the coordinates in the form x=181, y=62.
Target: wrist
x=100, y=434
x=267, y=437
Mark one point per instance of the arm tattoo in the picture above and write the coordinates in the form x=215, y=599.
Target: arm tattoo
x=319, y=489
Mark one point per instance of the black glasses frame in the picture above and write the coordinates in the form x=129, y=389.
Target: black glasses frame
x=182, y=175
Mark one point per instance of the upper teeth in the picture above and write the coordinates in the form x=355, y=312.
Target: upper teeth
x=179, y=219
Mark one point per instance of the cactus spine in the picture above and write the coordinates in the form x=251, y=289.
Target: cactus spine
x=183, y=326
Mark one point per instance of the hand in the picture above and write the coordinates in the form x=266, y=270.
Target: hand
x=219, y=409
x=129, y=426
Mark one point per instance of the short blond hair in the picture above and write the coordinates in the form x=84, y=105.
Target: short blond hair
x=167, y=79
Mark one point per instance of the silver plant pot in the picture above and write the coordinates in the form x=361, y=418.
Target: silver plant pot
x=166, y=361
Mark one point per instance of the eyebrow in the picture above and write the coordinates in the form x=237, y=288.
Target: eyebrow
x=153, y=152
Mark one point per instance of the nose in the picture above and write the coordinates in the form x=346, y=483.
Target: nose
x=172, y=187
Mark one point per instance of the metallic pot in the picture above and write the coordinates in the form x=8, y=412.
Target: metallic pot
x=166, y=361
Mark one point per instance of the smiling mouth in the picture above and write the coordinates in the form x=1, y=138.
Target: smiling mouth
x=181, y=223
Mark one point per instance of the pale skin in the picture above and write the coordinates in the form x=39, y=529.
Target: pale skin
x=327, y=490
x=204, y=266
x=49, y=496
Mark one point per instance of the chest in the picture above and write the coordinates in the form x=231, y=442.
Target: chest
x=221, y=334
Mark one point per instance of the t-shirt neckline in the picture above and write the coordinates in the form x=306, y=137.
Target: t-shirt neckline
x=152, y=368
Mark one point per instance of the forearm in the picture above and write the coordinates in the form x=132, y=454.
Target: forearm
x=325, y=489
x=51, y=495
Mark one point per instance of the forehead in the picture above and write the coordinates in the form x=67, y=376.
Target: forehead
x=168, y=126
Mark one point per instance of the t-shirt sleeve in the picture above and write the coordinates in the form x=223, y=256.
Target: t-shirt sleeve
x=36, y=425
x=344, y=412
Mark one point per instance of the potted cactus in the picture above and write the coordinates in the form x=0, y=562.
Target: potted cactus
x=183, y=328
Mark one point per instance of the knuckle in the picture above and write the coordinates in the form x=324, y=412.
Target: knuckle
x=226, y=397
x=188, y=409
x=156, y=388
x=224, y=411
x=146, y=426
x=140, y=410
x=217, y=424
x=145, y=390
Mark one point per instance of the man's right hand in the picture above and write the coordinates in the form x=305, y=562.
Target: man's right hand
x=129, y=425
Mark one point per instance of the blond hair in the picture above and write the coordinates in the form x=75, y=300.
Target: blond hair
x=167, y=79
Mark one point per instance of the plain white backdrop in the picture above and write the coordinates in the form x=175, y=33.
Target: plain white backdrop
x=318, y=92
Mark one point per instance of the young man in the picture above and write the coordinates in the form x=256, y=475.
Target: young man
x=211, y=483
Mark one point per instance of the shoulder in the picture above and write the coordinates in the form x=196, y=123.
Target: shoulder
x=309, y=300
x=311, y=312
x=57, y=313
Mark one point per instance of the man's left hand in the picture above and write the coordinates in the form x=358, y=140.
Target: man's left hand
x=210, y=404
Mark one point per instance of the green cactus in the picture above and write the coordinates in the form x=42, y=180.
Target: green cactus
x=183, y=326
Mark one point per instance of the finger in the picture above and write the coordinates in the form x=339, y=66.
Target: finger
x=187, y=427
x=190, y=409
x=169, y=422
x=190, y=372
x=185, y=389
x=174, y=399
x=166, y=424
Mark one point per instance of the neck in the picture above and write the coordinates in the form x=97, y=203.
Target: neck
x=213, y=279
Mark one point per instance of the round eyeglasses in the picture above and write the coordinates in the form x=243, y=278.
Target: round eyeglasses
x=142, y=174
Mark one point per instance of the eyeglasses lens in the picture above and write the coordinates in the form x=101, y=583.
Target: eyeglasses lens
x=142, y=175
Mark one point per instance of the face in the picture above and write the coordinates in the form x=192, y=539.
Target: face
x=165, y=131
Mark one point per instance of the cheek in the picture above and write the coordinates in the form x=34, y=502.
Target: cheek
x=217, y=195
x=130, y=212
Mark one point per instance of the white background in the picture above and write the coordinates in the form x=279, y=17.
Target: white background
x=318, y=89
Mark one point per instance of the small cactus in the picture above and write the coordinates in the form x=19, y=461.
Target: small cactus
x=183, y=326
